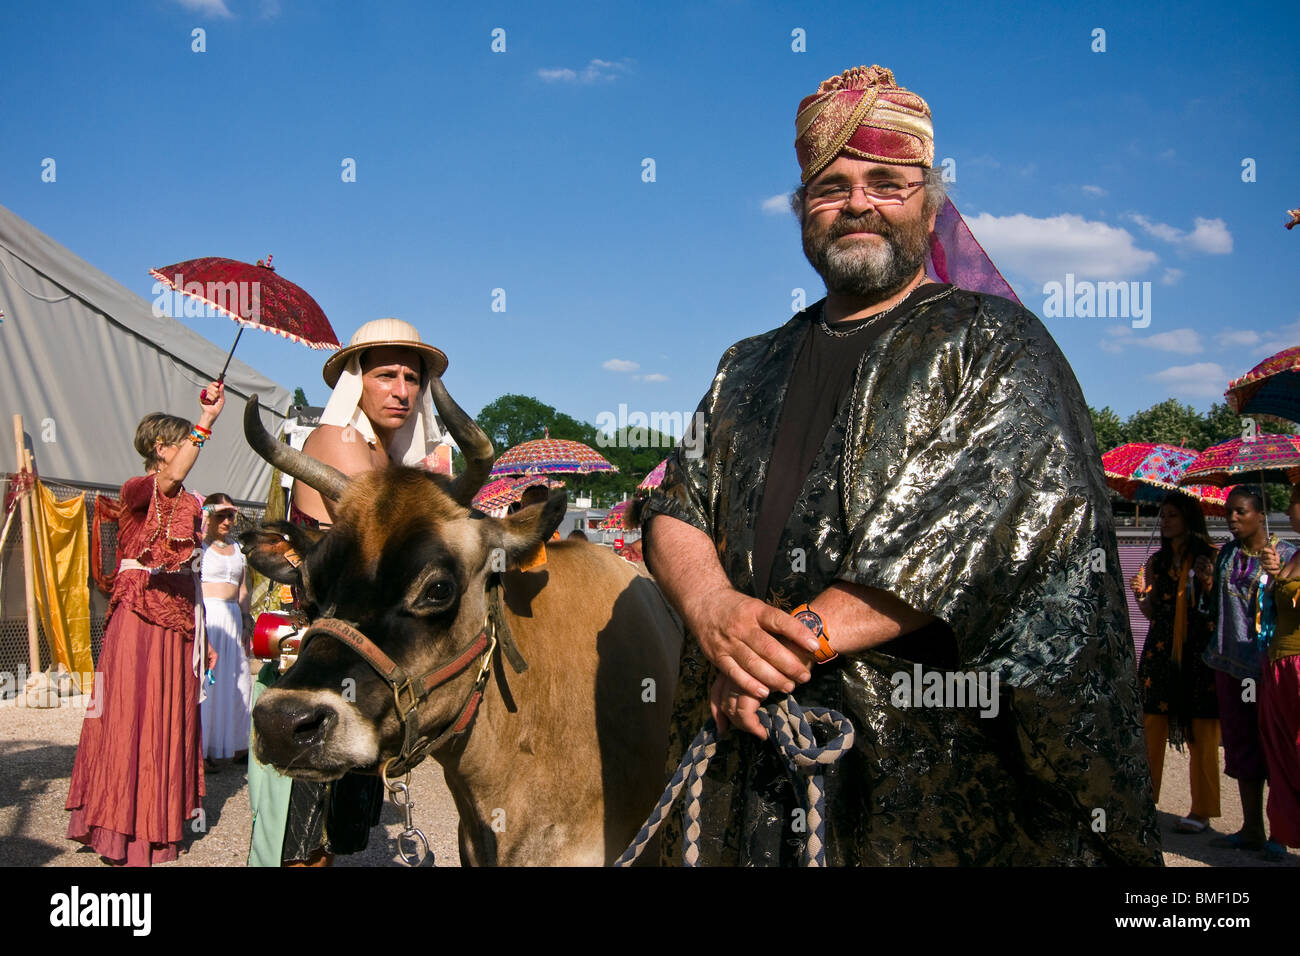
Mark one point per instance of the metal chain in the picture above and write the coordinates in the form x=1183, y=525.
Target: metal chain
x=401, y=795
x=790, y=727
x=861, y=324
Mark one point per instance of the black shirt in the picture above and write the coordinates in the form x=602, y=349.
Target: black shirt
x=821, y=381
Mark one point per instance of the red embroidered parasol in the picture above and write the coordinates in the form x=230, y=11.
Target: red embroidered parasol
x=1146, y=471
x=254, y=296
x=550, y=456
x=1266, y=458
x=1213, y=499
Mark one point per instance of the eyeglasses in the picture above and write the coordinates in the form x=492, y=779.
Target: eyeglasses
x=883, y=192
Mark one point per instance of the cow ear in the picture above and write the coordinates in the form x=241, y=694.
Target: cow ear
x=528, y=527
x=278, y=549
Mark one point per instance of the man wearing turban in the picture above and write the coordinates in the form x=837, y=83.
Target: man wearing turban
x=909, y=466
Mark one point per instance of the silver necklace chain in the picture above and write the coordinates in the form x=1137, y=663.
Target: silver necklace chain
x=880, y=315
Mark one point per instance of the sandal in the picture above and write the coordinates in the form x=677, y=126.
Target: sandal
x=1274, y=852
x=210, y=765
x=1235, y=841
x=1191, y=825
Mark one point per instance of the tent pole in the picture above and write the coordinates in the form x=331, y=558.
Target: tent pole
x=29, y=560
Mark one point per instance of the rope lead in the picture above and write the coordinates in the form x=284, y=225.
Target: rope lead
x=790, y=727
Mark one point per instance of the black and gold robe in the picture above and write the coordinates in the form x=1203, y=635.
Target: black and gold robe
x=962, y=476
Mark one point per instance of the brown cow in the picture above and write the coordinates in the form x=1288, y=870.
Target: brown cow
x=561, y=762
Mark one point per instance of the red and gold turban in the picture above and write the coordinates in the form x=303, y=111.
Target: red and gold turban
x=865, y=114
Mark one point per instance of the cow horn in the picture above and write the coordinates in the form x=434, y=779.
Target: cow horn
x=473, y=444
x=330, y=482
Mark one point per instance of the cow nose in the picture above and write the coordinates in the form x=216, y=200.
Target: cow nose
x=289, y=728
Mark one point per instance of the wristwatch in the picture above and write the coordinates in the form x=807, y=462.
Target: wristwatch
x=813, y=621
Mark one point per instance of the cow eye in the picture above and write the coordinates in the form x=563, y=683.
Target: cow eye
x=437, y=594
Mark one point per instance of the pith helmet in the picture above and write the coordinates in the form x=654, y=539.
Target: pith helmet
x=382, y=332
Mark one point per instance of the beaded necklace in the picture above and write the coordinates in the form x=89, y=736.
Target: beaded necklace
x=157, y=508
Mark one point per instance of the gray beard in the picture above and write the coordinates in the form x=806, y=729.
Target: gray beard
x=867, y=269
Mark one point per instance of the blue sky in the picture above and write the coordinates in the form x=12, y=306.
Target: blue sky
x=522, y=171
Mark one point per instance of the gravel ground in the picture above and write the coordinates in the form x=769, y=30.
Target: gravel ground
x=37, y=749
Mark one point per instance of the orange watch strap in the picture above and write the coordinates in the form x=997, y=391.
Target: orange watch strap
x=813, y=621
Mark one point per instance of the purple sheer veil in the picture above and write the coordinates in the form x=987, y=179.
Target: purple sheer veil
x=957, y=257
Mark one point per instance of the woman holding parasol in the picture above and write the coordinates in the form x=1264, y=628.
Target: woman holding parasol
x=138, y=774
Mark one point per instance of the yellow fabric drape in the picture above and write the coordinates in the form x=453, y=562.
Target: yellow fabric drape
x=1180, y=609
x=62, y=547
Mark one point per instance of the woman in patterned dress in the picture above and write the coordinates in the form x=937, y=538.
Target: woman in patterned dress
x=137, y=781
x=1178, y=695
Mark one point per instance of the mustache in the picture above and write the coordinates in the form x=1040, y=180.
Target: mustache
x=845, y=225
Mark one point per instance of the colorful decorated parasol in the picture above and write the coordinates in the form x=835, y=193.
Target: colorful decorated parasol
x=1270, y=388
x=655, y=478
x=1265, y=458
x=504, y=492
x=550, y=456
x=614, y=519
x=1146, y=471
x=1213, y=499
x=254, y=296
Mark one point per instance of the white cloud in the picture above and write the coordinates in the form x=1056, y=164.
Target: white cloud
x=1172, y=276
x=1260, y=343
x=1180, y=341
x=551, y=76
x=619, y=365
x=211, y=8
x=1212, y=236
x=1238, y=338
x=1046, y=249
x=776, y=205
x=1157, y=229
x=652, y=377
x=596, y=71
x=1095, y=191
x=1202, y=380
x=1282, y=337
x=1208, y=235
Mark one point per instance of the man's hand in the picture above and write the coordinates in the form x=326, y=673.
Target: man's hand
x=1269, y=560
x=729, y=706
x=758, y=647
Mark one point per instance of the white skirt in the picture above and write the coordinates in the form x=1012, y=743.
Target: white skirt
x=225, y=713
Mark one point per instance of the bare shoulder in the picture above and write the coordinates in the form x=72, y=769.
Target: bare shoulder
x=339, y=446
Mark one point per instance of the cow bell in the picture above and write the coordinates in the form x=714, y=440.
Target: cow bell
x=276, y=637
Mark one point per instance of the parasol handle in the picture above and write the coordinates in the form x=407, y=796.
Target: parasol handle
x=221, y=379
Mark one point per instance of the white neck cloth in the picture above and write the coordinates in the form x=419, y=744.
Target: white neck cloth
x=410, y=444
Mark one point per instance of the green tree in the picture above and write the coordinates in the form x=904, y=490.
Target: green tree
x=299, y=396
x=1220, y=424
x=512, y=419
x=1108, y=427
x=1169, y=422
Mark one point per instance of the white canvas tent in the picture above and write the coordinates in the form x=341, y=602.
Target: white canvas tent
x=83, y=359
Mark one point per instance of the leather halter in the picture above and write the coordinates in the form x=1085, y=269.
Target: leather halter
x=410, y=692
